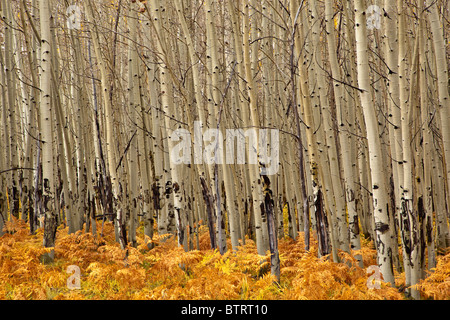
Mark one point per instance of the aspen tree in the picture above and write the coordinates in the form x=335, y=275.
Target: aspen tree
x=390, y=43
x=6, y=134
x=356, y=127
x=156, y=147
x=146, y=159
x=27, y=197
x=330, y=156
x=408, y=221
x=214, y=100
x=241, y=101
x=267, y=59
x=344, y=119
x=316, y=85
x=442, y=80
x=442, y=236
x=83, y=143
x=46, y=132
x=12, y=135
x=168, y=108
x=104, y=182
x=426, y=149
x=134, y=108
x=379, y=189
x=256, y=183
x=64, y=144
x=25, y=111
x=416, y=219
x=299, y=133
x=3, y=157
x=161, y=199
x=111, y=175
x=305, y=102
x=64, y=159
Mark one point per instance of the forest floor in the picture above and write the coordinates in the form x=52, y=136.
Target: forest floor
x=167, y=272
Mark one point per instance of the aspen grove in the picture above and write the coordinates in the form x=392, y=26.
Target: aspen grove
x=224, y=149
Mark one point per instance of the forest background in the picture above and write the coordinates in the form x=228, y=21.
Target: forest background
x=101, y=174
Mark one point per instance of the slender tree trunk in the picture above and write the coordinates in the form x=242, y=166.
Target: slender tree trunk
x=12, y=135
x=111, y=175
x=168, y=108
x=426, y=149
x=271, y=230
x=443, y=86
x=345, y=121
x=46, y=136
x=256, y=183
x=380, y=195
x=134, y=109
x=305, y=102
x=409, y=215
x=393, y=102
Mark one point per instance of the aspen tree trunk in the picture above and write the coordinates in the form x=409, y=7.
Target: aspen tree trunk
x=417, y=234
x=111, y=175
x=104, y=181
x=241, y=102
x=393, y=102
x=214, y=100
x=146, y=159
x=83, y=143
x=64, y=145
x=227, y=173
x=362, y=196
x=64, y=159
x=408, y=221
x=156, y=148
x=443, y=85
x=427, y=236
x=27, y=197
x=168, y=108
x=196, y=85
x=273, y=239
x=302, y=163
x=3, y=180
x=5, y=123
x=338, y=217
x=315, y=86
x=344, y=123
x=380, y=195
x=160, y=199
x=3, y=205
x=305, y=102
x=390, y=43
x=46, y=132
x=134, y=108
x=229, y=180
x=270, y=113
x=442, y=236
x=12, y=135
x=27, y=113
x=256, y=183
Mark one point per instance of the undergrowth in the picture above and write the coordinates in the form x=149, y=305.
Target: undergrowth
x=167, y=272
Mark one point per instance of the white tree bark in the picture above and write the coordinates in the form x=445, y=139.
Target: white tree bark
x=46, y=136
x=379, y=189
